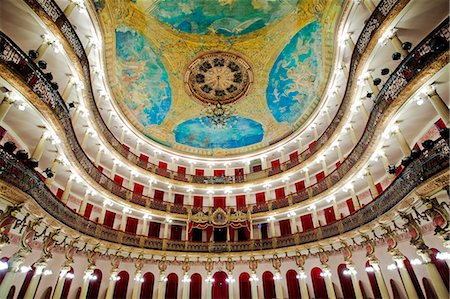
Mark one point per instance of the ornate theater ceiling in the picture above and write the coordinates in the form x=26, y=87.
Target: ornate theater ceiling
x=262, y=65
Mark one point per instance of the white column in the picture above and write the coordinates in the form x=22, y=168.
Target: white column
x=86, y=280
x=123, y=220
x=438, y=104
x=355, y=199
x=351, y=131
x=84, y=202
x=60, y=284
x=278, y=288
x=5, y=106
x=66, y=193
x=42, y=49
x=324, y=165
x=101, y=219
x=263, y=162
x=371, y=183
x=435, y=278
x=314, y=218
x=307, y=179
x=397, y=44
x=407, y=282
x=136, y=293
x=209, y=280
x=404, y=146
x=161, y=285
x=337, y=213
x=355, y=282
x=380, y=280
x=253, y=285
x=369, y=80
x=272, y=228
x=293, y=224
x=145, y=225
x=32, y=287
x=303, y=287
x=8, y=280
x=86, y=136
x=40, y=147
x=166, y=230
x=369, y=5
x=314, y=129
x=53, y=169
x=329, y=283
x=110, y=117
x=111, y=284
x=98, y=157
x=339, y=152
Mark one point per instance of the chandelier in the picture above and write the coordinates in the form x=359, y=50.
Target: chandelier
x=218, y=116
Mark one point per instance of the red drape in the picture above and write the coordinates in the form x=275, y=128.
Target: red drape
x=256, y=168
x=100, y=169
x=138, y=189
x=279, y=193
x=440, y=124
x=220, y=286
x=292, y=284
x=268, y=285
x=239, y=172
x=330, y=216
x=300, y=186
x=285, y=227
x=199, y=172
x=66, y=286
x=181, y=170
x=219, y=172
x=441, y=266
x=198, y=201
x=373, y=282
x=429, y=290
x=240, y=201
x=320, y=290
x=219, y=202
x=293, y=156
x=413, y=276
x=88, y=211
x=320, y=176
x=244, y=286
x=131, y=226
x=147, y=286
x=231, y=232
x=338, y=164
x=158, y=195
x=179, y=198
x=195, y=288
x=120, y=289
x=351, y=207
x=307, y=222
x=154, y=228
x=275, y=164
x=175, y=232
x=26, y=282
x=126, y=147
x=209, y=232
x=59, y=193
x=143, y=157
x=260, y=197
x=109, y=219
x=379, y=188
x=162, y=165
x=312, y=145
x=118, y=180
x=172, y=286
x=346, y=282
x=94, y=285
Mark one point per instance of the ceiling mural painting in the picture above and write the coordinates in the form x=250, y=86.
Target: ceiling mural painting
x=145, y=90
x=207, y=92
x=226, y=17
x=295, y=80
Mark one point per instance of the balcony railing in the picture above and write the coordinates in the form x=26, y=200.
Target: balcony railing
x=51, y=8
x=428, y=164
x=422, y=56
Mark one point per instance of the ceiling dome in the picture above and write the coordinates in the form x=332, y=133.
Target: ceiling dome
x=219, y=78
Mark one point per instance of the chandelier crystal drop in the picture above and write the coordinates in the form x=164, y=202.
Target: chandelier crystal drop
x=218, y=116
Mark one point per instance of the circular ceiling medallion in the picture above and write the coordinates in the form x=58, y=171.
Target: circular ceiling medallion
x=218, y=77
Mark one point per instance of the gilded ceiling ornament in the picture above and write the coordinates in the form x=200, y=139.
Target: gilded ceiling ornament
x=218, y=77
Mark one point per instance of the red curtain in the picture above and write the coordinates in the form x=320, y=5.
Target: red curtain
x=143, y=157
x=88, y=211
x=300, y=186
x=395, y=291
x=195, y=287
x=100, y=169
x=118, y=180
x=240, y=201
x=158, y=195
x=293, y=156
x=312, y=144
x=175, y=232
x=307, y=222
x=181, y=170
x=209, y=232
x=131, y=226
x=379, y=188
x=320, y=290
x=172, y=286
x=199, y=172
x=441, y=266
x=219, y=172
x=109, y=219
x=66, y=286
x=338, y=164
x=198, y=201
x=279, y=193
x=94, y=285
x=26, y=282
x=147, y=286
x=440, y=124
x=59, y=193
x=263, y=228
x=292, y=284
x=351, y=207
x=162, y=165
x=429, y=290
x=220, y=286
x=245, y=291
x=275, y=164
x=330, y=217
x=268, y=285
x=120, y=289
x=320, y=176
x=138, y=189
x=373, y=282
x=179, y=198
x=256, y=168
x=285, y=227
x=154, y=229
x=260, y=198
x=231, y=232
x=126, y=147
x=346, y=282
x=219, y=202
x=239, y=172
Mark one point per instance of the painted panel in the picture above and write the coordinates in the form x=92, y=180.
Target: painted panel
x=243, y=132
x=227, y=17
x=142, y=78
x=296, y=77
